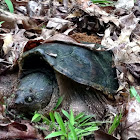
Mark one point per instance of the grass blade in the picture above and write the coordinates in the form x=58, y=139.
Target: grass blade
x=89, y=124
x=84, y=121
x=91, y=128
x=10, y=5
x=60, y=122
x=115, y=123
x=101, y=1
x=84, y=118
x=54, y=134
x=52, y=117
x=45, y=120
x=86, y=130
x=80, y=115
x=73, y=133
x=1, y=22
x=134, y=93
x=53, y=124
x=66, y=113
x=58, y=103
x=36, y=117
x=71, y=117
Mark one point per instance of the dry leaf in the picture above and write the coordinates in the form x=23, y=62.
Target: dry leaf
x=134, y=69
x=11, y=20
x=34, y=8
x=100, y=135
x=125, y=51
x=58, y=24
x=125, y=4
x=130, y=77
x=46, y=33
x=13, y=45
x=132, y=124
x=69, y=40
x=8, y=42
x=18, y=131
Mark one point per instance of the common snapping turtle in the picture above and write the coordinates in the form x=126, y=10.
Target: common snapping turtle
x=83, y=77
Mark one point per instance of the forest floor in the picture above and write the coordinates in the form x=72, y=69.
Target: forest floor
x=26, y=24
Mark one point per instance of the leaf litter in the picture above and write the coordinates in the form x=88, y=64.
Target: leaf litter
x=36, y=22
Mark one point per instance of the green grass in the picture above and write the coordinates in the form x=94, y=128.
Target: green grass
x=10, y=5
x=115, y=123
x=1, y=22
x=103, y=2
x=72, y=128
x=133, y=93
x=58, y=103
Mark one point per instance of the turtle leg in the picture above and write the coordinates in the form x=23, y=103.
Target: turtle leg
x=80, y=98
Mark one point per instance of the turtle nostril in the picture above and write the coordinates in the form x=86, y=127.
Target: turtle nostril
x=18, y=102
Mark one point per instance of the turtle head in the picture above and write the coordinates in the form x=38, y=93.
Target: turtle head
x=26, y=101
x=33, y=92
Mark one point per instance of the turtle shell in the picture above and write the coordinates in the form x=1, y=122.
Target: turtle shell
x=90, y=68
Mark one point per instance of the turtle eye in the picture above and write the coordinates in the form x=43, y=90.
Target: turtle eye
x=29, y=99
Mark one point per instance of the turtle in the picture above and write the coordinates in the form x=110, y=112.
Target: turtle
x=85, y=79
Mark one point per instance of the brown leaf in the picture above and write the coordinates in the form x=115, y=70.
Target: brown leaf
x=34, y=8
x=131, y=126
x=125, y=4
x=8, y=42
x=17, y=131
x=13, y=45
x=32, y=44
x=134, y=69
x=69, y=40
x=128, y=21
x=100, y=135
x=58, y=24
x=12, y=19
x=20, y=2
x=94, y=10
